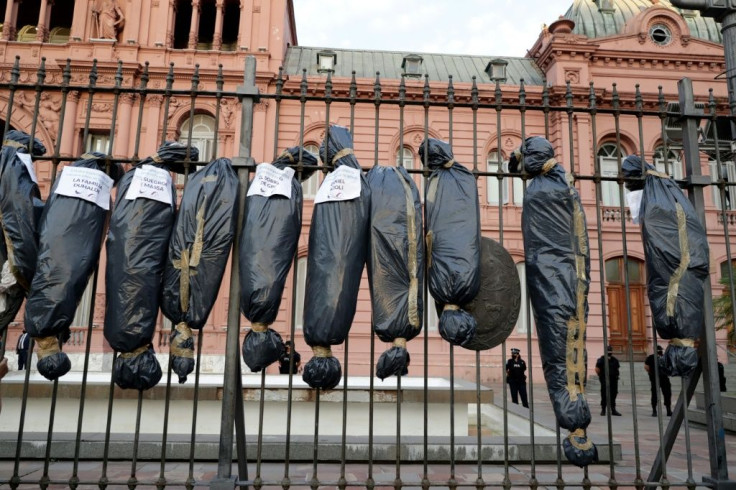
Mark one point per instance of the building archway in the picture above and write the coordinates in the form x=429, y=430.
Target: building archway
x=618, y=306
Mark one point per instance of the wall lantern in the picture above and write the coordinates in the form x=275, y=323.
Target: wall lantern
x=496, y=69
x=326, y=61
x=412, y=65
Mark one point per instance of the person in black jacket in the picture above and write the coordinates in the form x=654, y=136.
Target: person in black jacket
x=664, y=382
x=612, y=376
x=516, y=377
x=285, y=359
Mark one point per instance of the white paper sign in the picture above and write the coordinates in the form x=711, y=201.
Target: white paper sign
x=342, y=184
x=26, y=159
x=151, y=183
x=270, y=181
x=86, y=183
x=633, y=198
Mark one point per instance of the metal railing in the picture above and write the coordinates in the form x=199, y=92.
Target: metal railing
x=343, y=459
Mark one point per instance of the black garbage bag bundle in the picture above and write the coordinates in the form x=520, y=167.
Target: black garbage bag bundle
x=271, y=230
x=453, y=240
x=137, y=246
x=198, y=252
x=20, y=208
x=558, y=277
x=338, y=249
x=395, y=265
x=676, y=255
x=71, y=231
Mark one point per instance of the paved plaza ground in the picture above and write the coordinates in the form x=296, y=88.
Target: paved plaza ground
x=639, y=447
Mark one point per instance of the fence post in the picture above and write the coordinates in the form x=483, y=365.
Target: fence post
x=707, y=348
x=232, y=399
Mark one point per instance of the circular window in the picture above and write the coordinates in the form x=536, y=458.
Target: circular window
x=660, y=34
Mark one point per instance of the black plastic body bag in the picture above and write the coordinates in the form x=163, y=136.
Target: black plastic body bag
x=20, y=210
x=452, y=215
x=338, y=248
x=271, y=230
x=395, y=265
x=137, y=246
x=198, y=252
x=677, y=260
x=557, y=258
x=70, y=239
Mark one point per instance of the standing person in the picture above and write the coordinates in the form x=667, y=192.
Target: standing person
x=516, y=377
x=22, y=350
x=285, y=360
x=721, y=376
x=613, y=374
x=664, y=382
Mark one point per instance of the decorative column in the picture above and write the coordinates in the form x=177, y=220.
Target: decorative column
x=9, y=21
x=217, y=38
x=151, y=125
x=122, y=141
x=194, y=29
x=169, y=41
x=70, y=118
x=246, y=25
x=42, y=29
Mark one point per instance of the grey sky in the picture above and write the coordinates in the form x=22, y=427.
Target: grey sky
x=479, y=27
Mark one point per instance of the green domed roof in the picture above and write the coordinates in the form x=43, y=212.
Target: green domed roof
x=602, y=18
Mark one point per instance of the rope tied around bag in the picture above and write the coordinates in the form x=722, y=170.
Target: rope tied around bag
x=181, y=335
x=156, y=158
x=259, y=327
x=320, y=351
x=449, y=307
x=13, y=144
x=190, y=260
x=287, y=155
x=90, y=156
x=47, y=346
x=400, y=342
x=656, y=173
x=682, y=342
x=134, y=353
x=548, y=165
x=573, y=438
x=342, y=153
x=449, y=163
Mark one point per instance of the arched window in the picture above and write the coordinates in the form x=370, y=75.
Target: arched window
x=672, y=165
x=497, y=193
x=301, y=282
x=728, y=171
x=407, y=158
x=310, y=186
x=203, y=135
x=608, y=159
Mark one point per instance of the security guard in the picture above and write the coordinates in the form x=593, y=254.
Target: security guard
x=516, y=377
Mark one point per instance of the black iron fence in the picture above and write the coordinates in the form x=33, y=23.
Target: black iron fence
x=315, y=445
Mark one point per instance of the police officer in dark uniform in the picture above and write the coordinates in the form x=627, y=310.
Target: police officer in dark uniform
x=613, y=374
x=516, y=377
x=664, y=381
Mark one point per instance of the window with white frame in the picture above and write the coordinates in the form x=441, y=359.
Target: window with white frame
x=81, y=315
x=301, y=283
x=411, y=163
x=525, y=320
x=310, y=186
x=672, y=165
x=98, y=141
x=203, y=135
x=498, y=190
x=608, y=158
x=728, y=171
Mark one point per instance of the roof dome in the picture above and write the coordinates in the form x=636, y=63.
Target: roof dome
x=602, y=18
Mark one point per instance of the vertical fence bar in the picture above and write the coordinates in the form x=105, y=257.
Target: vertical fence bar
x=232, y=388
x=425, y=173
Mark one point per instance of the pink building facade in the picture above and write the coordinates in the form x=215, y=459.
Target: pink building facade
x=632, y=51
